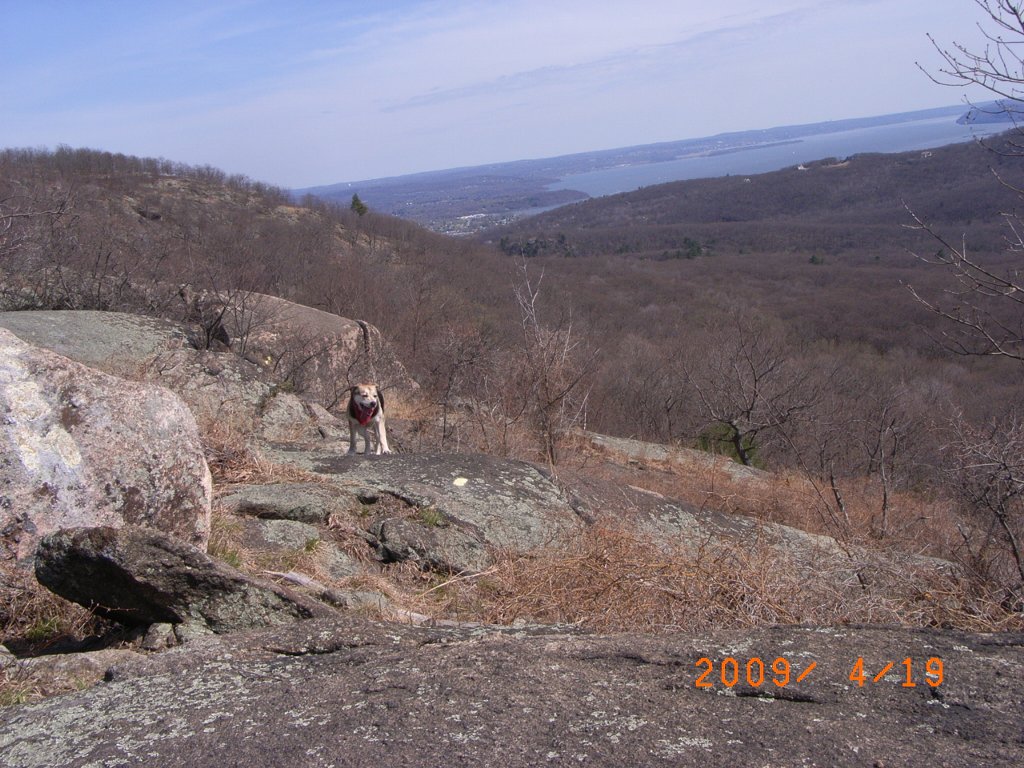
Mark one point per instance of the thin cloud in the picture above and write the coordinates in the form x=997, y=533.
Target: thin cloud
x=637, y=60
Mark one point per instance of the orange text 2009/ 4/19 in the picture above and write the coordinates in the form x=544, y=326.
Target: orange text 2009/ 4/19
x=780, y=672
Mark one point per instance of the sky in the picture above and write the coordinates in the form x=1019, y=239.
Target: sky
x=302, y=93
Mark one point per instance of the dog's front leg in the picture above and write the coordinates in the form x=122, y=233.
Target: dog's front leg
x=355, y=431
x=382, y=438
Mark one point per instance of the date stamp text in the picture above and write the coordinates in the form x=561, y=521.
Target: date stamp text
x=781, y=672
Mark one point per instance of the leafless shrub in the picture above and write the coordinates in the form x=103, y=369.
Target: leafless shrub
x=986, y=465
x=553, y=365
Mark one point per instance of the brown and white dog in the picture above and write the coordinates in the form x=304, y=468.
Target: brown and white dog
x=366, y=418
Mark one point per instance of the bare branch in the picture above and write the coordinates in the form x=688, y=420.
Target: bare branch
x=987, y=309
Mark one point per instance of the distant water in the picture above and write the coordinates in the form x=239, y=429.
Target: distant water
x=896, y=137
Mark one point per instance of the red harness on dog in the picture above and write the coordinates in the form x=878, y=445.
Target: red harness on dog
x=362, y=414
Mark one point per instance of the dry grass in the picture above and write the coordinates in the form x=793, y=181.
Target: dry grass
x=613, y=580
x=233, y=459
x=32, y=618
x=905, y=525
x=228, y=544
x=912, y=522
x=408, y=406
x=23, y=684
x=17, y=686
x=34, y=621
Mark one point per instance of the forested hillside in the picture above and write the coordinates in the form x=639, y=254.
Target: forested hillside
x=855, y=318
x=851, y=208
x=93, y=230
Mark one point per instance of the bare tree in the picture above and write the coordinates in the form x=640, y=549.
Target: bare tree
x=460, y=353
x=639, y=393
x=26, y=216
x=747, y=384
x=866, y=432
x=984, y=305
x=14, y=209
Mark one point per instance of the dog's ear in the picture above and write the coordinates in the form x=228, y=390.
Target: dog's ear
x=380, y=398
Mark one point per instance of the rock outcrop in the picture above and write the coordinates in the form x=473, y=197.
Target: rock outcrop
x=114, y=342
x=219, y=387
x=311, y=503
x=448, y=512
x=312, y=685
x=323, y=352
x=81, y=448
x=434, y=546
x=621, y=469
x=638, y=451
x=142, y=577
x=356, y=693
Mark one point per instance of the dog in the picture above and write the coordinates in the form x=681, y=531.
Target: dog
x=366, y=418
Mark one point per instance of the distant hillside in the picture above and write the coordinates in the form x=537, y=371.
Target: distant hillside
x=465, y=200
x=1002, y=111
x=457, y=201
x=831, y=207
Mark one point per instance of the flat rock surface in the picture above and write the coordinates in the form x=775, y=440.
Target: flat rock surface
x=356, y=693
x=503, y=504
x=302, y=502
x=100, y=339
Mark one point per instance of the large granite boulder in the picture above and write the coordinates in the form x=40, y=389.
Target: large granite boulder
x=79, y=447
x=357, y=693
x=140, y=577
x=220, y=387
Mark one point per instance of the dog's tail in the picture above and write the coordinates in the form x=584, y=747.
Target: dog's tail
x=364, y=327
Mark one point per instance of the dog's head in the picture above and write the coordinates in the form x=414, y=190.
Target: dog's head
x=366, y=395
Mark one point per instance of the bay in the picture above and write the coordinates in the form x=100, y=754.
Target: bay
x=745, y=159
